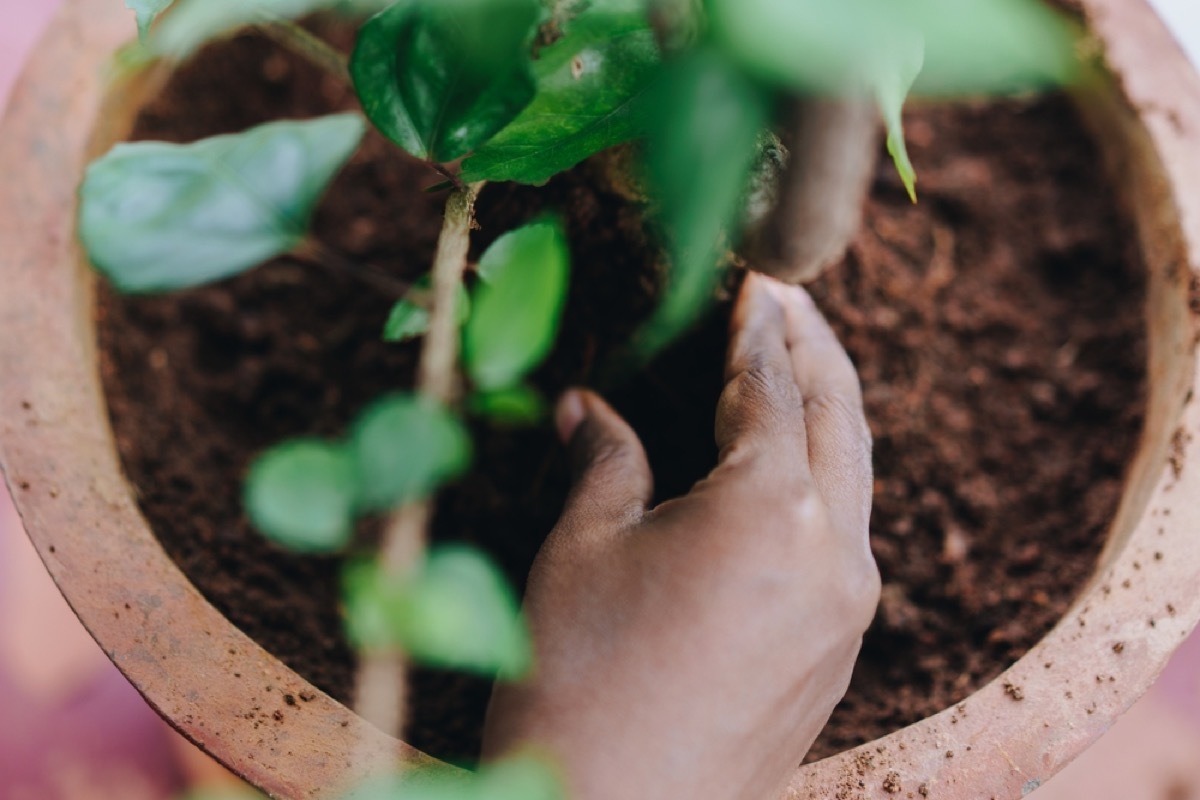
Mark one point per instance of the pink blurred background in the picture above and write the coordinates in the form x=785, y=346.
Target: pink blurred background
x=71, y=728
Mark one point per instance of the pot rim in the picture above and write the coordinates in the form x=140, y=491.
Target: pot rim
x=244, y=707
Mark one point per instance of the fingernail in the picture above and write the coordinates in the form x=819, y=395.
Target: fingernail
x=569, y=414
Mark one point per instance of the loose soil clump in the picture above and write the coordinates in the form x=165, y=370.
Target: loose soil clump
x=996, y=325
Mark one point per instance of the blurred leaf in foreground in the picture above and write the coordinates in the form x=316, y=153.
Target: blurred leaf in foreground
x=155, y=216
x=699, y=157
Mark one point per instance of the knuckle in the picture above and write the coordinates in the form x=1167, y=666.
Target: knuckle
x=858, y=590
x=610, y=454
x=842, y=409
x=758, y=386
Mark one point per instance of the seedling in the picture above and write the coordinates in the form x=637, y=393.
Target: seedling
x=493, y=91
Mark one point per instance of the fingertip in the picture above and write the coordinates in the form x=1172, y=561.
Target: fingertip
x=569, y=414
x=756, y=300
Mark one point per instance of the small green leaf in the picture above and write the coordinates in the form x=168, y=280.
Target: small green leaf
x=368, y=597
x=457, y=611
x=591, y=87
x=699, y=159
x=526, y=775
x=156, y=216
x=460, y=613
x=410, y=319
x=517, y=311
x=892, y=86
x=146, y=12
x=421, y=781
x=301, y=494
x=441, y=77
x=405, y=447
x=516, y=405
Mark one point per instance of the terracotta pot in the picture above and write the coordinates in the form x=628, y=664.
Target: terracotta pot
x=251, y=712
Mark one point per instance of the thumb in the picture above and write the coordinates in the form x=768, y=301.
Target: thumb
x=612, y=480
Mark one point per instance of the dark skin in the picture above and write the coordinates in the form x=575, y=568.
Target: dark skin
x=696, y=649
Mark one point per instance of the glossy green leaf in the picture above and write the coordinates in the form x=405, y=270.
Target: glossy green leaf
x=699, y=158
x=155, y=216
x=457, y=611
x=591, y=90
x=441, y=77
x=517, y=311
x=982, y=46
x=146, y=11
x=516, y=405
x=302, y=495
x=405, y=447
x=410, y=318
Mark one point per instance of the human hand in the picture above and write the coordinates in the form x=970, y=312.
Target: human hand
x=695, y=650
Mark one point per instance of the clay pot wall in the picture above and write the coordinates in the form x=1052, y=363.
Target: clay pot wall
x=244, y=707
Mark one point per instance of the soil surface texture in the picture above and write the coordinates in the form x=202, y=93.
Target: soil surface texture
x=997, y=325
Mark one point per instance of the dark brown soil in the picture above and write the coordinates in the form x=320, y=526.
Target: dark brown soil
x=996, y=325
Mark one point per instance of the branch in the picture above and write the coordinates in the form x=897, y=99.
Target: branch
x=833, y=144
x=303, y=43
x=317, y=253
x=381, y=693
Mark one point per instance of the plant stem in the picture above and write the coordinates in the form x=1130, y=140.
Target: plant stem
x=381, y=693
x=438, y=378
x=302, y=42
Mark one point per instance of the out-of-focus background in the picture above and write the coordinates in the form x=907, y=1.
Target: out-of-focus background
x=71, y=728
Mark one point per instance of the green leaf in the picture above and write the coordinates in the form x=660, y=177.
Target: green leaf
x=516, y=405
x=591, y=88
x=441, y=77
x=368, y=596
x=362, y=7
x=301, y=494
x=191, y=23
x=522, y=776
x=146, y=12
x=410, y=319
x=699, y=158
x=518, y=309
x=405, y=447
x=892, y=87
x=457, y=611
x=155, y=216
x=460, y=613
x=438, y=781
x=983, y=46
